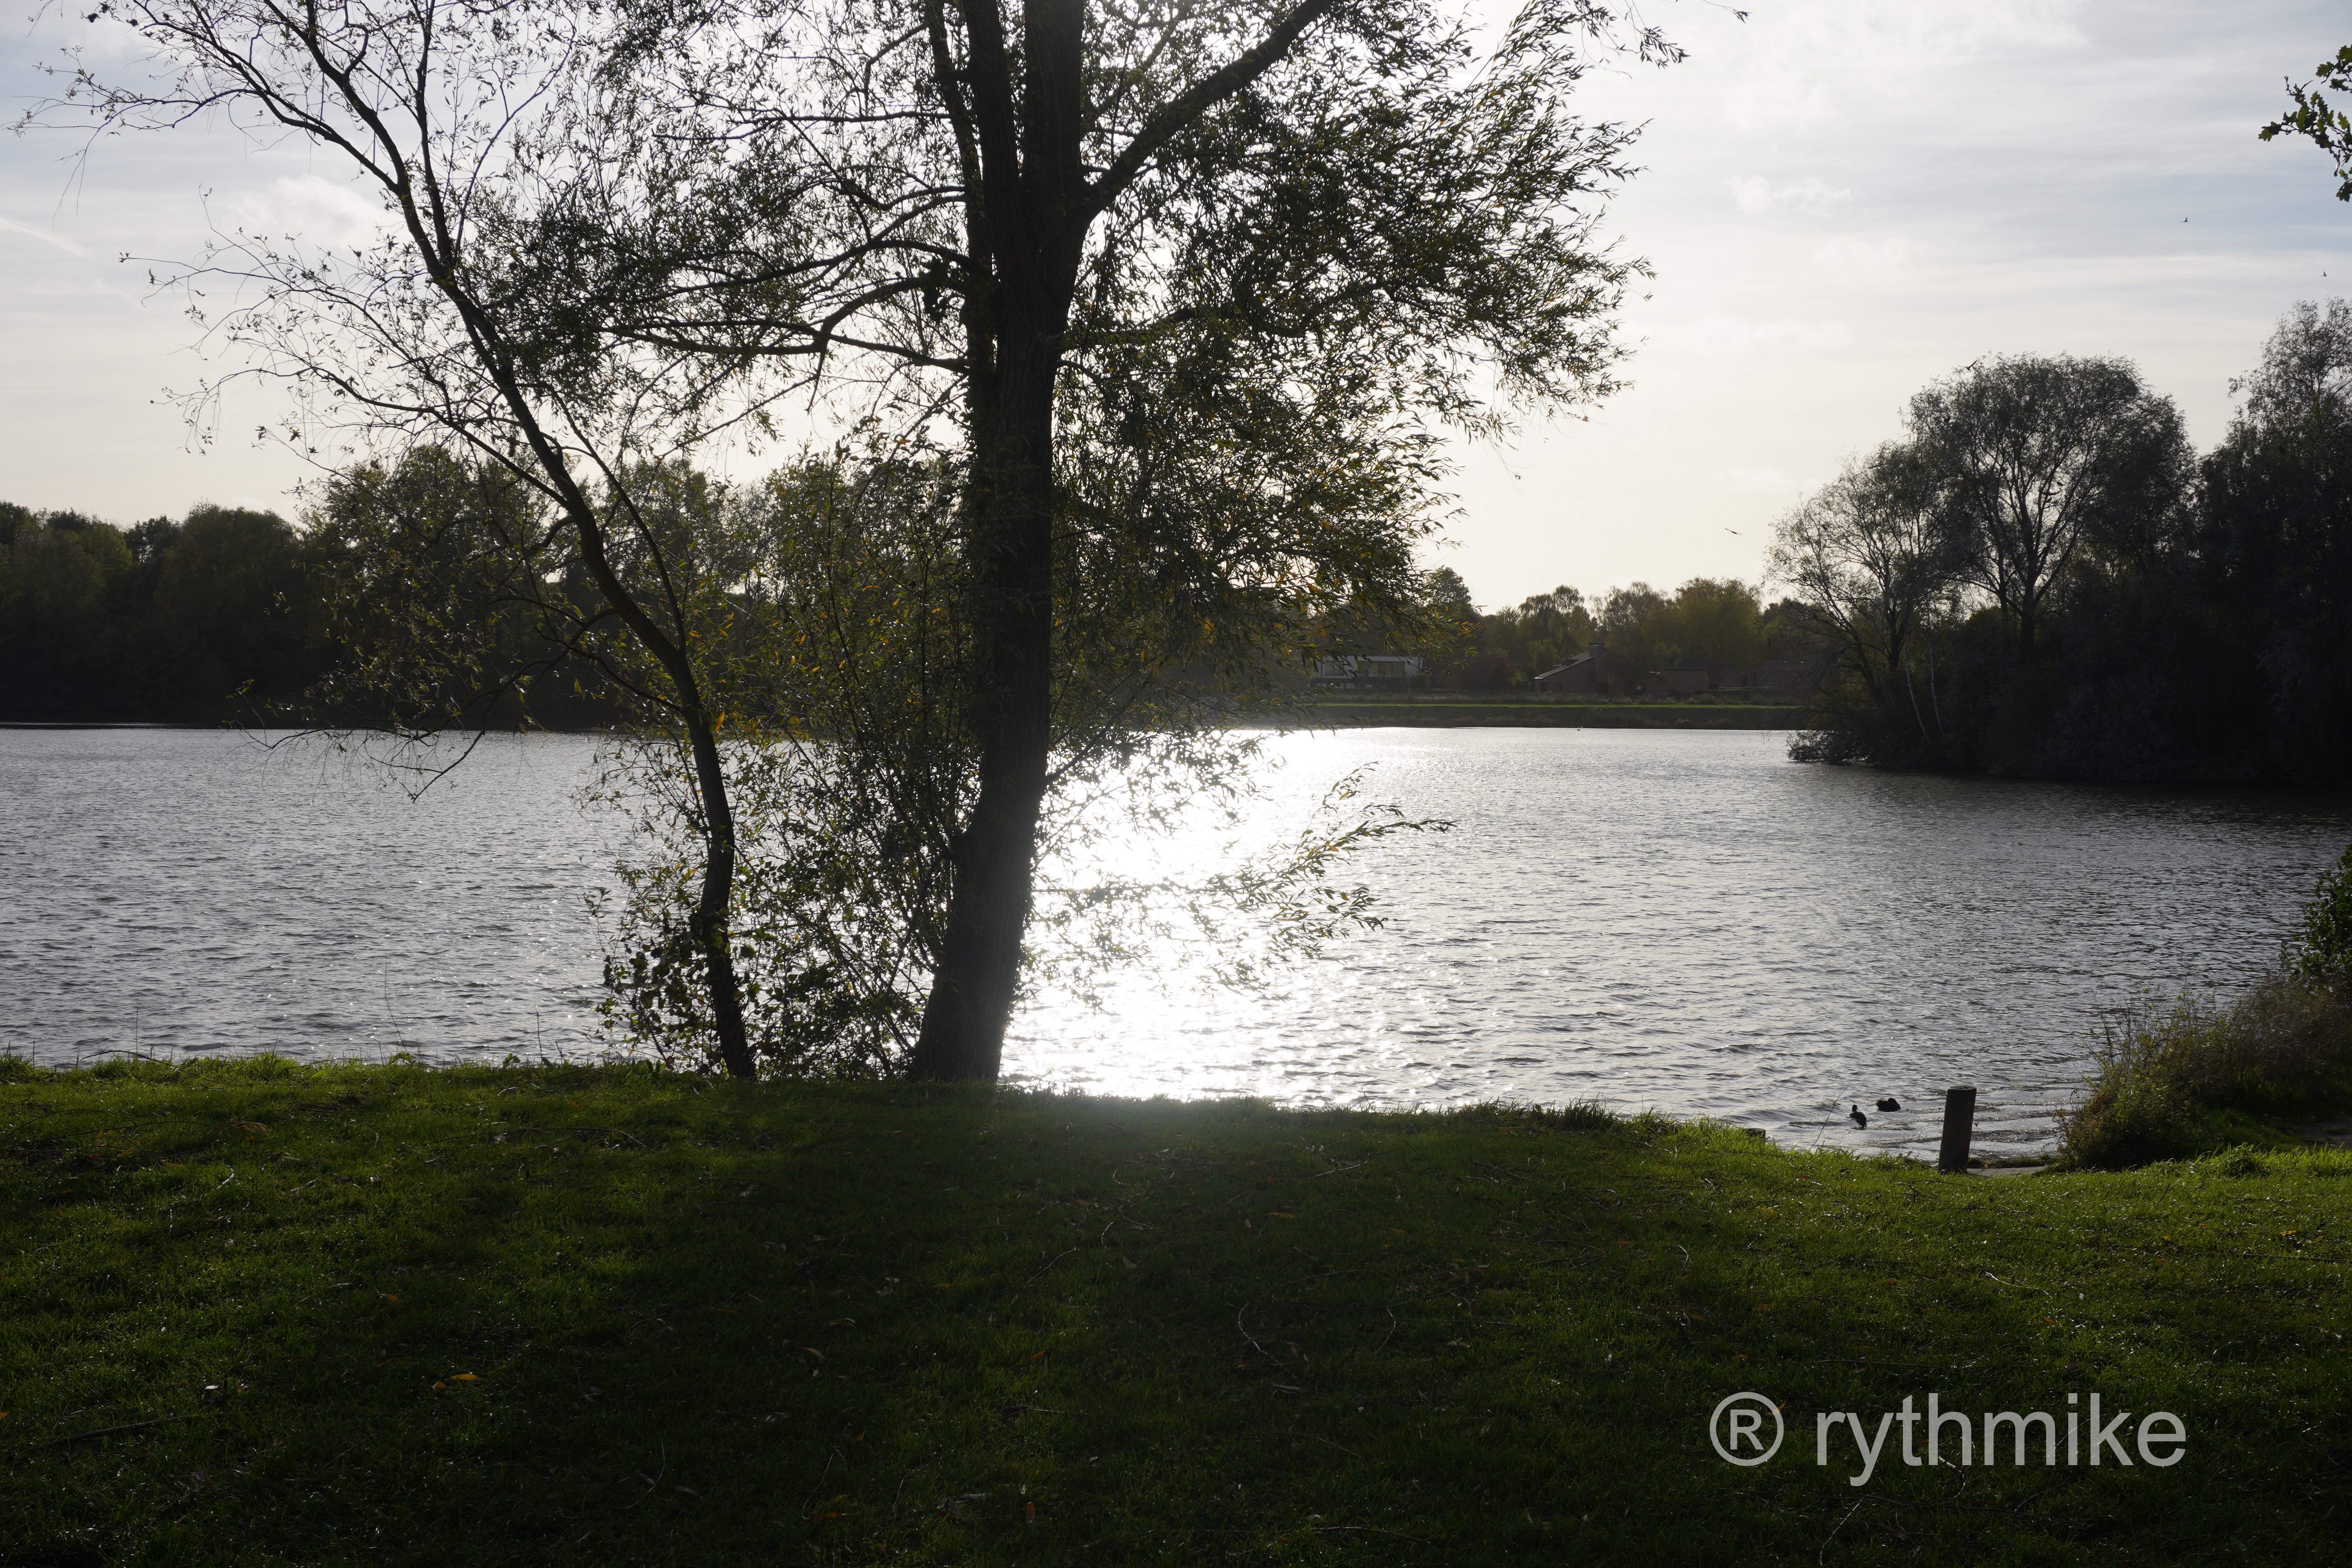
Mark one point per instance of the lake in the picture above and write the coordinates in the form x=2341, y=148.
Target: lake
x=1683, y=921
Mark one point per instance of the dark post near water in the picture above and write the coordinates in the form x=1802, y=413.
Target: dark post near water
x=1959, y=1121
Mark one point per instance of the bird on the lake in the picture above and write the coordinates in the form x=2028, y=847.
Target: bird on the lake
x=1857, y=1117
x=1890, y=1103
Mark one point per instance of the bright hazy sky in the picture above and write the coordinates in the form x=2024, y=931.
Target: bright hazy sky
x=1842, y=199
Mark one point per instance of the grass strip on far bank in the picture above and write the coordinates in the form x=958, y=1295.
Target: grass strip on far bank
x=1426, y=713
x=253, y=1313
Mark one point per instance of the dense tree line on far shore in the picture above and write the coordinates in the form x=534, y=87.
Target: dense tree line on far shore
x=233, y=614
x=2044, y=579
x=205, y=618
x=1720, y=625
x=226, y=614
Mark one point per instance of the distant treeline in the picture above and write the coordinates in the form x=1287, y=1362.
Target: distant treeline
x=2045, y=579
x=201, y=619
x=231, y=614
x=1717, y=625
x=222, y=615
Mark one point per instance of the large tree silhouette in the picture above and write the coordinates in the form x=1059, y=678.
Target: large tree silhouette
x=620, y=232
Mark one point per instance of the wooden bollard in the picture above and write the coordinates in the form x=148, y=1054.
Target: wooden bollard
x=1959, y=1123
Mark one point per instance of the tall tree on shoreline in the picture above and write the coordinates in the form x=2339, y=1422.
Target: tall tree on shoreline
x=1870, y=557
x=2038, y=459
x=982, y=221
x=633, y=228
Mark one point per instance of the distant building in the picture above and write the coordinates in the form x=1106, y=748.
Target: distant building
x=1367, y=671
x=1594, y=673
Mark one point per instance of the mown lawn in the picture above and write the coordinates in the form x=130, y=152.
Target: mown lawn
x=251, y=1313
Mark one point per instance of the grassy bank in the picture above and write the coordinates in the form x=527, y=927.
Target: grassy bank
x=2202, y=1076
x=1440, y=714
x=255, y=1315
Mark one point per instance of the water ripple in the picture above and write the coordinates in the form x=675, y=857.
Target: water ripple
x=1678, y=920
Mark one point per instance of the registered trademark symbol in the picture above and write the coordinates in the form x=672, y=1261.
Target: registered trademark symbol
x=1736, y=1428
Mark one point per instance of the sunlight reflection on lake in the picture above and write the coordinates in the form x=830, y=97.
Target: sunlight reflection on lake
x=1688, y=921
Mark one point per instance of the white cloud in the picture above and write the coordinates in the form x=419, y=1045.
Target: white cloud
x=1877, y=46
x=44, y=236
x=307, y=209
x=1775, y=99
x=1755, y=481
x=1717, y=335
x=1868, y=41
x=1812, y=196
x=1868, y=257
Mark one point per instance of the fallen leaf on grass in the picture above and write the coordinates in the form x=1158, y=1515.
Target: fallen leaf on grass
x=465, y=1377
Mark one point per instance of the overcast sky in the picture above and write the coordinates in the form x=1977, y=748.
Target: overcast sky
x=1843, y=200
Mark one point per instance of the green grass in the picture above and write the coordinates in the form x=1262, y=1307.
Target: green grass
x=251, y=1313
x=2201, y=1075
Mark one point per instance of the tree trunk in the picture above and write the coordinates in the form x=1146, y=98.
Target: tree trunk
x=1028, y=227
x=709, y=924
x=1012, y=520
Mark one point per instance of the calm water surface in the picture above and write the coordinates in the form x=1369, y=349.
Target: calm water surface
x=1683, y=921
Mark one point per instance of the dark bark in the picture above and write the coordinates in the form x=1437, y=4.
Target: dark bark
x=1027, y=235
x=1012, y=612
x=970, y=1002
x=709, y=926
